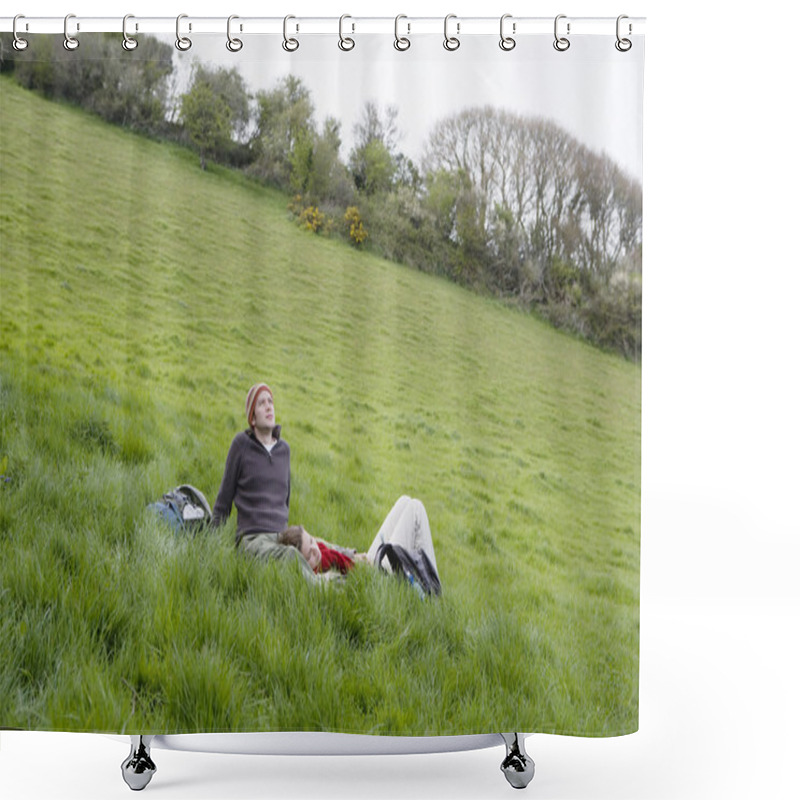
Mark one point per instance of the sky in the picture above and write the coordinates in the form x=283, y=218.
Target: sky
x=591, y=90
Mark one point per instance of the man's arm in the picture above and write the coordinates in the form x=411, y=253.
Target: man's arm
x=289, y=481
x=227, y=489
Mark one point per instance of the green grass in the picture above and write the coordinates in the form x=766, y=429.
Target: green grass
x=140, y=298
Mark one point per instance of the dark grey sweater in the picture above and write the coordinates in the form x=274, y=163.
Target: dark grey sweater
x=257, y=483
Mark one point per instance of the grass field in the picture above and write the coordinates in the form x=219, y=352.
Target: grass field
x=140, y=298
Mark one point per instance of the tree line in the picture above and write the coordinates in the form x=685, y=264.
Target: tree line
x=505, y=204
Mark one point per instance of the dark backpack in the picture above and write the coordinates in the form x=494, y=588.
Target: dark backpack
x=413, y=565
x=185, y=508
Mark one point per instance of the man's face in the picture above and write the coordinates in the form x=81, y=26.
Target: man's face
x=264, y=412
x=310, y=550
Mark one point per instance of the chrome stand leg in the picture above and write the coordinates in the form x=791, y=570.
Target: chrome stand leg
x=138, y=768
x=518, y=766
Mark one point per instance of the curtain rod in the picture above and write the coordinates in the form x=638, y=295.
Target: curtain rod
x=406, y=25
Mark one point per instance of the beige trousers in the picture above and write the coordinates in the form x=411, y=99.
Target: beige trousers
x=407, y=525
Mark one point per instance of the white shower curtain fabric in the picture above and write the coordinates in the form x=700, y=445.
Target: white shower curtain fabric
x=433, y=260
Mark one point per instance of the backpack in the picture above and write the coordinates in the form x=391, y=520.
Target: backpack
x=413, y=565
x=184, y=508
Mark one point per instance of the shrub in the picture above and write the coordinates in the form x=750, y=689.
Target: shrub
x=614, y=316
x=404, y=229
x=358, y=233
x=562, y=283
x=313, y=219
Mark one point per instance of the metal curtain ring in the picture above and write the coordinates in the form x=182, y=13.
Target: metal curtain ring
x=18, y=43
x=128, y=43
x=289, y=44
x=451, y=43
x=561, y=43
x=345, y=42
x=401, y=42
x=183, y=43
x=70, y=42
x=506, y=42
x=623, y=45
x=234, y=45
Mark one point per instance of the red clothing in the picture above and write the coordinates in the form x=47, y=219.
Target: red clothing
x=333, y=559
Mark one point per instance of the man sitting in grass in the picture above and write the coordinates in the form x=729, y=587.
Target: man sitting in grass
x=406, y=524
x=257, y=482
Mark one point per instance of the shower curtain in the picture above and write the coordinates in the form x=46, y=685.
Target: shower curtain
x=428, y=246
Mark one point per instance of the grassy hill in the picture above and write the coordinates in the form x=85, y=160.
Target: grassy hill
x=140, y=298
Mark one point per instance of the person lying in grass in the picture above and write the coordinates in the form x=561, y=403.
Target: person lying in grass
x=406, y=524
x=257, y=481
x=320, y=555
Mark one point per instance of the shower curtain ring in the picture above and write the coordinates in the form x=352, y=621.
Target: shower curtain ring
x=401, y=43
x=19, y=43
x=128, y=43
x=234, y=45
x=561, y=43
x=289, y=44
x=451, y=43
x=345, y=42
x=623, y=45
x=70, y=42
x=183, y=43
x=507, y=42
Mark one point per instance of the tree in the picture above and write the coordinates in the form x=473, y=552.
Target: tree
x=570, y=203
x=328, y=178
x=207, y=119
x=284, y=126
x=509, y=271
x=129, y=90
x=377, y=125
x=228, y=85
x=455, y=205
x=372, y=167
x=462, y=145
x=374, y=159
x=290, y=152
x=215, y=113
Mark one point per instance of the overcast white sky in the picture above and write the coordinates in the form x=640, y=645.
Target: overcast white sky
x=592, y=90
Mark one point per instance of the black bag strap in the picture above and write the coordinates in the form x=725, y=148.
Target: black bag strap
x=398, y=558
x=403, y=563
x=432, y=576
